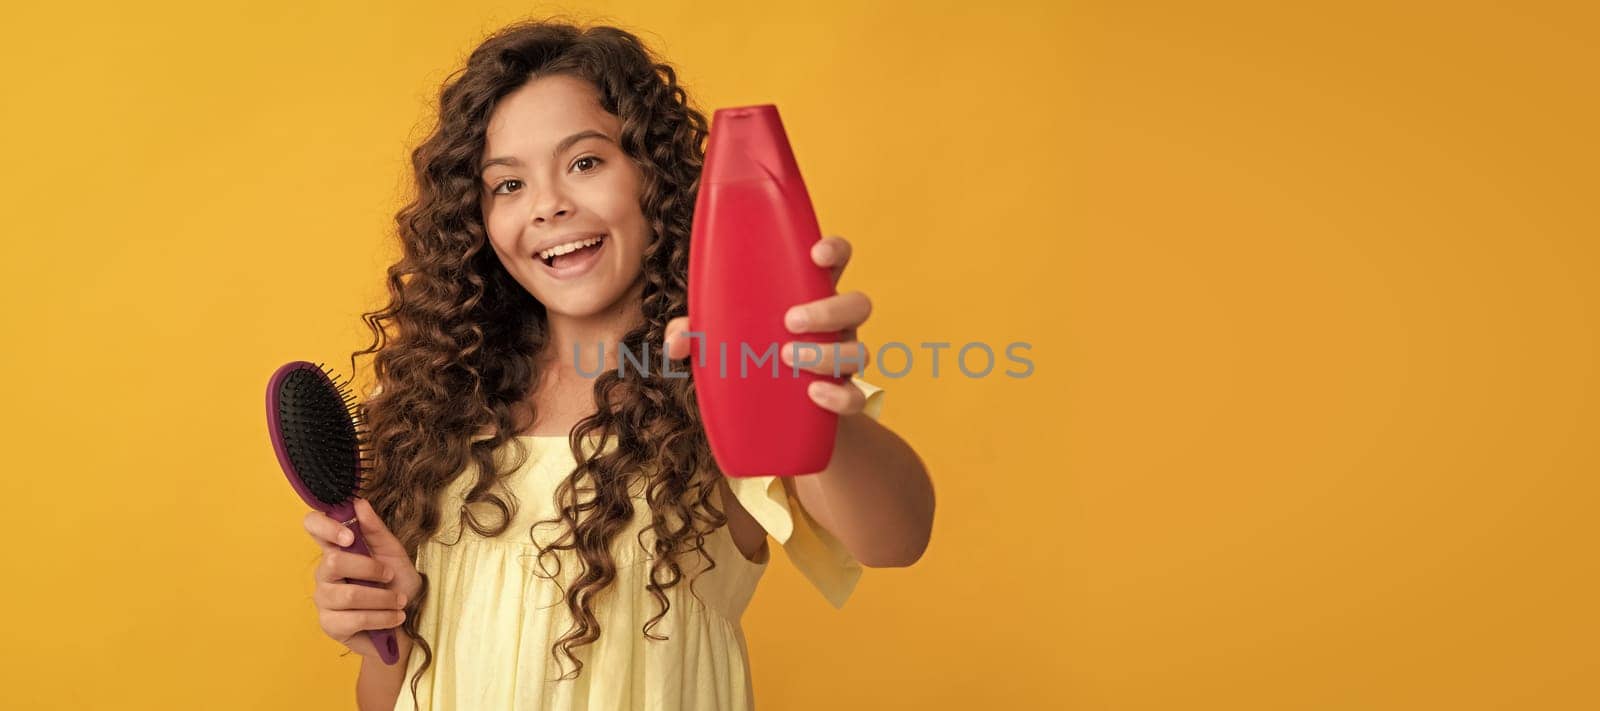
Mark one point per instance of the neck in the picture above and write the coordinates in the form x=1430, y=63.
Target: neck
x=577, y=341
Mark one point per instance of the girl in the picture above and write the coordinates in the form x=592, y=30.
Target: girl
x=547, y=539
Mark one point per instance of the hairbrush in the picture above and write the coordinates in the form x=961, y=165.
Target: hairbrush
x=313, y=424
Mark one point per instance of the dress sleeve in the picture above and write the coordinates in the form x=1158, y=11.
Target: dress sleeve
x=819, y=555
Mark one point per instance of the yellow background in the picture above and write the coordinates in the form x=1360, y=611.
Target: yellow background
x=1311, y=293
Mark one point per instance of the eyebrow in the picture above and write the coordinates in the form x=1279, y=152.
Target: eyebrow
x=561, y=147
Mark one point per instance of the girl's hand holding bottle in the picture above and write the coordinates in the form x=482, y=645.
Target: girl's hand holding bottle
x=844, y=313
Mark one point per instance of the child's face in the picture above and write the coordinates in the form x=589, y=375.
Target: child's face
x=542, y=198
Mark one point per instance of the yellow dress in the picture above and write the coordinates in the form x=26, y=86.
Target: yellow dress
x=492, y=611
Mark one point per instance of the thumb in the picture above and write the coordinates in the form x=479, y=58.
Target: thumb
x=677, y=344
x=379, y=540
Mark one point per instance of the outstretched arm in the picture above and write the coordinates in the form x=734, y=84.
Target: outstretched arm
x=874, y=495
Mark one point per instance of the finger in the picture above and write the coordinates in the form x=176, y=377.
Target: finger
x=835, y=359
x=349, y=596
x=379, y=540
x=677, y=345
x=843, y=399
x=344, y=624
x=338, y=566
x=326, y=531
x=832, y=252
x=834, y=313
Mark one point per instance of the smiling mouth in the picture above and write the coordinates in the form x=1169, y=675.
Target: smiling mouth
x=574, y=256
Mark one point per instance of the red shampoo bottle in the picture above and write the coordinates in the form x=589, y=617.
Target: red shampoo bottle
x=749, y=262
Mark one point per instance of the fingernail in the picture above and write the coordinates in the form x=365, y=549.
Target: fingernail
x=796, y=319
x=346, y=537
x=821, y=253
x=388, y=575
x=816, y=391
x=784, y=352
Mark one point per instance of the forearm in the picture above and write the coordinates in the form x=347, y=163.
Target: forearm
x=378, y=685
x=875, y=494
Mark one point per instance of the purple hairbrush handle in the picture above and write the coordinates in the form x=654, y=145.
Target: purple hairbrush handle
x=384, y=640
x=343, y=512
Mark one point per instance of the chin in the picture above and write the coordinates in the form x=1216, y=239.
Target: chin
x=576, y=307
x=589, y=300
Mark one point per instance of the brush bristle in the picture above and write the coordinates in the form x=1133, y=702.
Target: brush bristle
x=320, y=435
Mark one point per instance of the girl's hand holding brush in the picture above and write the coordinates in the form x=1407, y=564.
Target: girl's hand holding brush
x=345, y=609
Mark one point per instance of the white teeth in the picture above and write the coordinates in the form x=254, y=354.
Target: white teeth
x=559, y=250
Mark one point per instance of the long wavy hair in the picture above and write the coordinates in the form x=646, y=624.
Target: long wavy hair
x=467, y=339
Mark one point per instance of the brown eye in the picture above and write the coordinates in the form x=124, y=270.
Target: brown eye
x=580, y=161
x=504, y=183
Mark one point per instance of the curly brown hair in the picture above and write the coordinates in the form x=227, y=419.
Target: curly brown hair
x=466, y=347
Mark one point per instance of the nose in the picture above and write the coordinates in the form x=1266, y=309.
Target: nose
x=551, y=205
